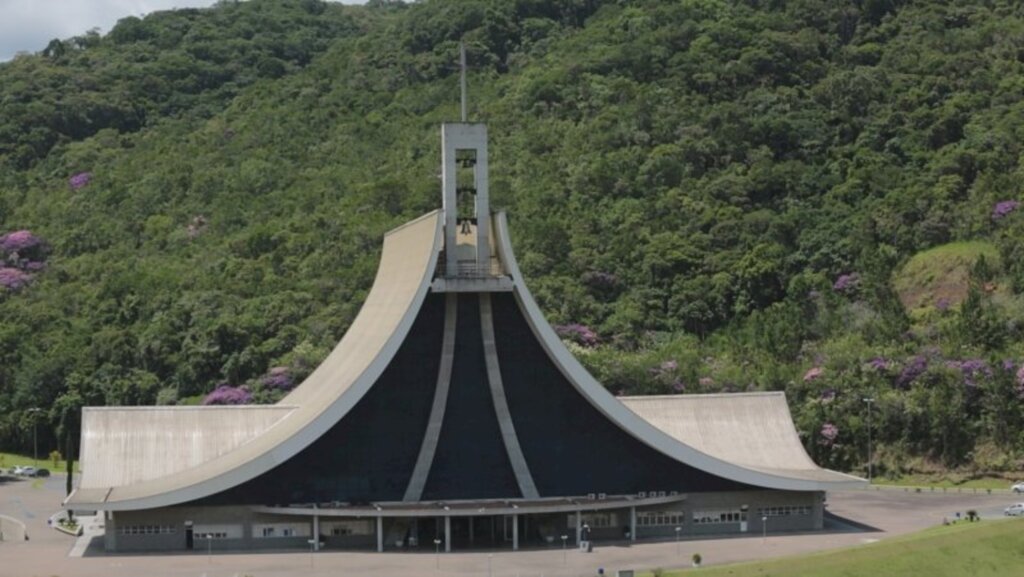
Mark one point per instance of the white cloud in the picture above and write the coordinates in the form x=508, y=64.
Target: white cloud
x=29, y=25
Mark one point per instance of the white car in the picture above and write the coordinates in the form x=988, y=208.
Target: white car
x=1018, y=487
x=19, y=470
x=28, y=471
x=1015, y=510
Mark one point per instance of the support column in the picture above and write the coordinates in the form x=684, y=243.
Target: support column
x=380, y=534
x=472, y=537
x=447, y=534
x=515, y=532
x=316, y=532
x=632, y=523
x=579, y=527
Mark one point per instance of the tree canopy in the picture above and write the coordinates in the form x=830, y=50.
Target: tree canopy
x=705, y=195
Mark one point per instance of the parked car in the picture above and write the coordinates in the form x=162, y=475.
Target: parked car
x=19, y=470
x=1018, y=487
x=1015, y=510
x=42, y=473
x=28, y=471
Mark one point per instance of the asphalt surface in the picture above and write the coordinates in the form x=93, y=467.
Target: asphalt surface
x=855, y=517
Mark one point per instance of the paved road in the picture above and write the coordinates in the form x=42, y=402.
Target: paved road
x=883, y=513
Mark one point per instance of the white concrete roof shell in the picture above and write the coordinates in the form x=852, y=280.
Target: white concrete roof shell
x=407, y=265
x=754, y=430
x=151, y=442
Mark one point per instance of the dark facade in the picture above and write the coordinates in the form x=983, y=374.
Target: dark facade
x=569, y=446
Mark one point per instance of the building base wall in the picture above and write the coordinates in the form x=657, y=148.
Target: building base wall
x=240, y=528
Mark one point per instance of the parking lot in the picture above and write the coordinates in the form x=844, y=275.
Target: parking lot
x=862, y=517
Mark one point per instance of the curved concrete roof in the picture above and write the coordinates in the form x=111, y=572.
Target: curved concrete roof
x=403, y=278
x=753, y=430
x=147, y=443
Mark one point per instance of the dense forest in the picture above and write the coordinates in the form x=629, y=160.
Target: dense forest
x=815, y=196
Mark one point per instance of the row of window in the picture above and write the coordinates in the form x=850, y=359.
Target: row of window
x=146, y=530
x=366, y=527
x=715, y=517
x=659, y=518
x=272, y=531
x=786, y=511
x=259, y=531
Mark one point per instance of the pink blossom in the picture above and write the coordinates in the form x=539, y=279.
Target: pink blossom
x=13, y=279
x=80, y=180
x=18, y=241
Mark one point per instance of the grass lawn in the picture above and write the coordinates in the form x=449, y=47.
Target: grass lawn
x=8, y=460
x=985, y=549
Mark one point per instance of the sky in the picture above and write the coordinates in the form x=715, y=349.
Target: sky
x=29, y=25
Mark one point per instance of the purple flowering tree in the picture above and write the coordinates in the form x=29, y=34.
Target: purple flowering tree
x=973, y=370
x=228, y=395
x=80, y=180
x=579, y=334
x=12, y=279
x=279, y=378
x=18, y=241
x=1003, y=208
x=912, y=369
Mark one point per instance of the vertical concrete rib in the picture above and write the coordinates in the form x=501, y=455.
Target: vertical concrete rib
x=444, y=378
x=508, y=430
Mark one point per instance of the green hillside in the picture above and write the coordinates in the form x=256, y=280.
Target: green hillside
x=705, y=196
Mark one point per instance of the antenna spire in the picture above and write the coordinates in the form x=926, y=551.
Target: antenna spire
x=462, y=76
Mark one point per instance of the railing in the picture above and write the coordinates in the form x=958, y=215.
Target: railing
x=469, y=269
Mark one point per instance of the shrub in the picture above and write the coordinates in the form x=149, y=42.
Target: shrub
x=228, y=395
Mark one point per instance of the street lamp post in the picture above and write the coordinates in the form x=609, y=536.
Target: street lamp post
x=437, y=553
x=678, y=529
x=565, y=554
x=209, y=547
x=869, y=401
x=764, y=529
x=312, y=545
x=34, y=411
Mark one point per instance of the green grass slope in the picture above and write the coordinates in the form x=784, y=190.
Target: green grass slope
x=989, y=549
x=940, y=276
